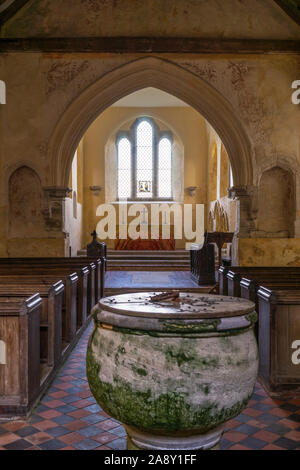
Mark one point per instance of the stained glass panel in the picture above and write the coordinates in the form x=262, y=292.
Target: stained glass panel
x=124, y=169
x=165, y=168
x=144, y=160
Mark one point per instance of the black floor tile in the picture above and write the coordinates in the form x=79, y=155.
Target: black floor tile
x=27, y=431
x=286, y=443
x=20, y=444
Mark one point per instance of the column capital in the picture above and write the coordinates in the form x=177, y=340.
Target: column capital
x=54, y=211
x=236, y=192
x=57, y=192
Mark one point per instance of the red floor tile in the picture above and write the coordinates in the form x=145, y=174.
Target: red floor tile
x=79, y=413
x=50, y=414
x=271, y=447
x=234, y=436
x=239, y=447
x=266, y=436
x=294, y=435
x=38, y=438
x=46, y=424
x=75, y=425
x=72, y=438
x=13, y=426
x=105, y=437
x=8, y=438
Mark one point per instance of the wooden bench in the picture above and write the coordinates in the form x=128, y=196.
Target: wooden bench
x=95, y=266
x=20, y=366
x=230, y=277
x=202, y=261
x=51, y=341
x=276, y=293
x=279, y=328
x=249, y=287
x=68, y=288
x=72, y=301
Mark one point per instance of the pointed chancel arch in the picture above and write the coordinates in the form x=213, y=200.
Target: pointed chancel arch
x=134, y=76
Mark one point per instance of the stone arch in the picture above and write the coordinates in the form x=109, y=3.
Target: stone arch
x=136, y=75
x=276, y=203
x=25, y=203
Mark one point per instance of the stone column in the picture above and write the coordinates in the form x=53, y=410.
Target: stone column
x=245, y=216
x=54, y=213
x=245, y=197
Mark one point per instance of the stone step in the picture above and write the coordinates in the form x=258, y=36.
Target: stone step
x=155, y=252
x=148, y=261
x=147, y=267
x=161, y=260
x=148, y=255
x=148, y=258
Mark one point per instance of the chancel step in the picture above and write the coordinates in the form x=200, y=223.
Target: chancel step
x=143, y=260
x=177, y=260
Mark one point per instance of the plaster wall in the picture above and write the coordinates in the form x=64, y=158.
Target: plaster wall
x=168, y=18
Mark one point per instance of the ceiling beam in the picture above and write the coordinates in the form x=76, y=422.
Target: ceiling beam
x=150, y=45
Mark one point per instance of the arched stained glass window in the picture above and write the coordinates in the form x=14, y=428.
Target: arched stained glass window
x=124, y=169
x=144, y=162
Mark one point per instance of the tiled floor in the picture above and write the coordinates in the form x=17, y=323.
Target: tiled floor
x=148, y=279
x=68, y=419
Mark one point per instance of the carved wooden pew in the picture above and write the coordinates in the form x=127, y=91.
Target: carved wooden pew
x=20, y=358
x=97, y=250
x=55, y=273
x=275, y=275
x=249, y=287
x=230, y=277
x=279, y=328
x=70, y=299
x=50, y=320
x=202, y=260
x=23, y=277
x=96, y=277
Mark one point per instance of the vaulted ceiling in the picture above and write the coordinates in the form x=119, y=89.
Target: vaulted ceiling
x=9, y=7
